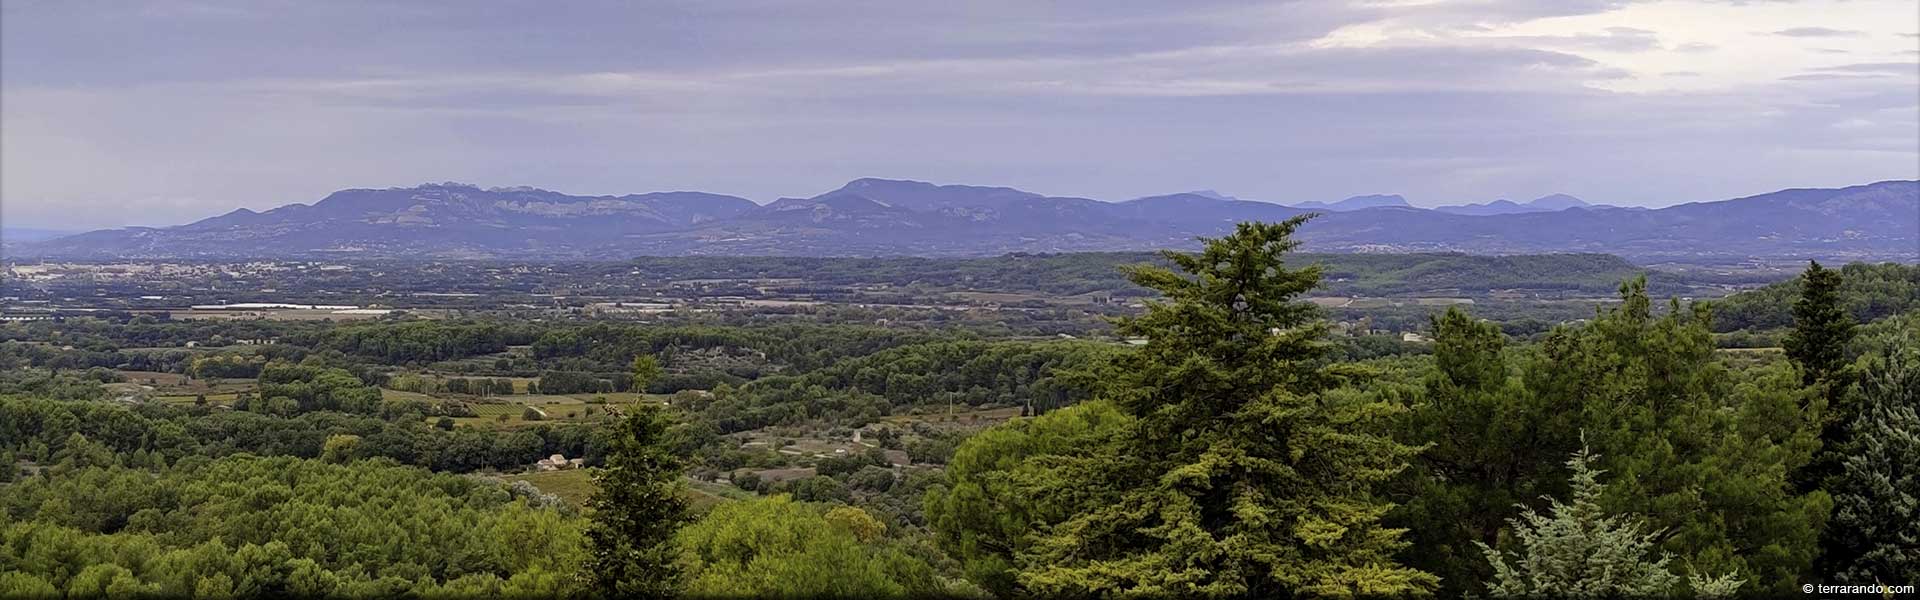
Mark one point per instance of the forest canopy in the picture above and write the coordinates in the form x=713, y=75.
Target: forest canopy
x=1228, y=436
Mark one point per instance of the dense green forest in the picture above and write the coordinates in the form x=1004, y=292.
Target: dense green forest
x=37, y=430
x=1225, y=440
x=252, y=526
x=1868, y=291
x=1081, y=273
x=485, y=285
x=857, y=391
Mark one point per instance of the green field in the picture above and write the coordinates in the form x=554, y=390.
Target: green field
x=571, y=485
x=705, y=495
x=191, y=398
x=388, y=394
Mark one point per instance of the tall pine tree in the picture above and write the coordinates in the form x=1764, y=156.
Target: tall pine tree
x=638, y=504
x=1490, y=447
x=1700, y=452
x=1005, y=483
x=1821, y=325
x=1244, y=473
x=1817, y=346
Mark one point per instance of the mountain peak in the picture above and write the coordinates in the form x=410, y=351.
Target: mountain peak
x=877, y=184
x=867, y=183
x=1373, y=200
x=1550, y=203
x=1214, y=195
x=1359, y=203
x=518, y=189
x=1558, y=202
x=238, y=216
x=920, y=195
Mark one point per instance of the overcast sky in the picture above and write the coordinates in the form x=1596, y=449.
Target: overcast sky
x=135, y=113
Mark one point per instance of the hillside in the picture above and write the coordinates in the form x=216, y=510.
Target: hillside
x=1870, y=292
x=439, y=220
x=1101, y=272
x=878, y=217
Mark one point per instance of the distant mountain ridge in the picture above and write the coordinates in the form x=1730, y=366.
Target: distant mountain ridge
x=1555, y=202
x=21, y=235
x=883, y=217
x=1359, y=203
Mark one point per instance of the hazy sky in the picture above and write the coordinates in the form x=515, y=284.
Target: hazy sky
x=133, y=113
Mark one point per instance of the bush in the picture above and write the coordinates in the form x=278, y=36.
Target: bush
x=871, y=479
x=820, y=488
x=842, y=465
x=747, y=480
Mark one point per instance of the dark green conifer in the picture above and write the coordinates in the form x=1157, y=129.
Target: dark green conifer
x=1821, y=326
x=637, y=507
x=1243, y=473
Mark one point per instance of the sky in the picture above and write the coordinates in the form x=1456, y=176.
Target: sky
x=160, y=113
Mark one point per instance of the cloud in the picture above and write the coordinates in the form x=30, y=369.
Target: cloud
x=1897, y=68
x=1818, y=32
x=195, y=109
x=1234, y=70
x=1828, y=77
x=1613, y=39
